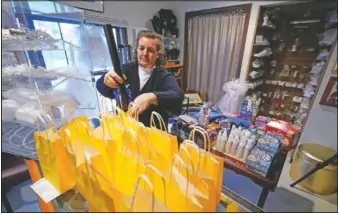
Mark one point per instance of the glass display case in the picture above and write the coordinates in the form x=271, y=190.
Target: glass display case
x=46, y=67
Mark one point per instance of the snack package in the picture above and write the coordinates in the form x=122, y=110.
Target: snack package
x=284, y=130
x=260, y=161
x=268, y=142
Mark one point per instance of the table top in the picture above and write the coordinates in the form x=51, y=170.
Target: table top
x=240, y=168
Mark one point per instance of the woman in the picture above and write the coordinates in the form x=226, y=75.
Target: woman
x=152, y=87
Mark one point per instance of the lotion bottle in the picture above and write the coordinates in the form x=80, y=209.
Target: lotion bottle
x=248, y=148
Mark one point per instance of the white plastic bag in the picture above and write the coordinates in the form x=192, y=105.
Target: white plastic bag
x=8, y=109
x=20, y=95
x=28, y=112
x=234, y=95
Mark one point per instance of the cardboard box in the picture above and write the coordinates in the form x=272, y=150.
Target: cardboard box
x=285, y=130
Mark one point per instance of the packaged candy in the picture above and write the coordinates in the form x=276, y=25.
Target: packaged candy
x=283, y=129
x=260, y=161
x=269, y=143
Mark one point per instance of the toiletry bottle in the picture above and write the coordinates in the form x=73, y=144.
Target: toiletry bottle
x=247, y=149
x=224, y=140
x=219, y=141
x=228, y=144
x=240, y=149
x=234, y=146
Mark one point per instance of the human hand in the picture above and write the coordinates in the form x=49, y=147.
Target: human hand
x=141, y=103
x=111, y=79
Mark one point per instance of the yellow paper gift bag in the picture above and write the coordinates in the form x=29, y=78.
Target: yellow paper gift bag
x=90, y=186
x=203, y=187
x=178, y=200
x=165, y=143
x=112, y=126
x=128, y=165
x=52, y=157
x=210, y=164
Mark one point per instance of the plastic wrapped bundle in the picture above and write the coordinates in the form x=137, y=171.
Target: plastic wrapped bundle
x=269, y=143
x=260, y=161
x=8, y=109
x=232, y=99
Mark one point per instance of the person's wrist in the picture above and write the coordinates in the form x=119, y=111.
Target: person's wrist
x=153, y=98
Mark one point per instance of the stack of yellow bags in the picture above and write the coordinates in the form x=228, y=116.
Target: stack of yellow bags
x=122, y=166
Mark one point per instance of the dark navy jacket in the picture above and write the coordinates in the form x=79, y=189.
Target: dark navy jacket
x=162, y=83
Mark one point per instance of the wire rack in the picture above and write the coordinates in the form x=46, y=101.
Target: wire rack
x=17, y=139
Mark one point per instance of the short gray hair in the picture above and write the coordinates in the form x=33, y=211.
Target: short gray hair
x=159, y=47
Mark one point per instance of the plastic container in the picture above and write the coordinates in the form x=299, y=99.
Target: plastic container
x=240, y=149
x=221, y=141
x=234, y=146
x=247, y=149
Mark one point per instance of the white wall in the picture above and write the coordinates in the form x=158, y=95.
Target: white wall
x=181, y=7
x=136, y=13
x=321, y=125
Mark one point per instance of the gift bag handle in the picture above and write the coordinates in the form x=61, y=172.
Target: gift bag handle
x=44, y=122
x=136, y=116
x=152, y=167
x=163, y=127
x=190, y=143
x=184, y=149
x=178, y=158
x=88, y=165
x=62, y=113
x=206, y=134
x=40, y=118
x=147, y=181
x=203, y=133
x=136, y=141
x=83, y=124
x=65, y=139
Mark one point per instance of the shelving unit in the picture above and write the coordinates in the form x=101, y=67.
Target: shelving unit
x=298, y=40
x=29, y=89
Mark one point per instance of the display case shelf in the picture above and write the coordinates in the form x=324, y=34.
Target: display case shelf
x=43, y=70
x=35, y=45
x=17, y=139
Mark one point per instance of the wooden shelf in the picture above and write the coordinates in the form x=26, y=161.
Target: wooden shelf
x=176, y=66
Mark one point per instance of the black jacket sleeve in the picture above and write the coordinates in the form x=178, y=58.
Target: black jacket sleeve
x=103, y=89
x=107, y=91
x=170, y=96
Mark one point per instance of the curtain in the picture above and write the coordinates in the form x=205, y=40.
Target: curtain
x=214, y=43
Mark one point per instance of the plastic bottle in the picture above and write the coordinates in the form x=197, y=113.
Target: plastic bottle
x=234, y=146
x=231, y=138
x=219, y=141
x=240, y=149
x=248, y=148
x=228, y=144
x=224, y=139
